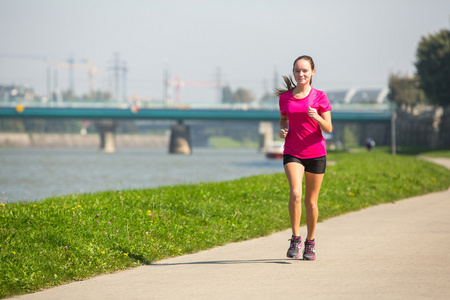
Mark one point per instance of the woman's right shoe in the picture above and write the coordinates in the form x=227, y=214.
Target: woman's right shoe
x=294, y=248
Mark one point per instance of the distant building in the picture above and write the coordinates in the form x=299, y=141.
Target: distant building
x=16, y=92
x=358, y=96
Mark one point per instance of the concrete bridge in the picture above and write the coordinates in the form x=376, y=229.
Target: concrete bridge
x=107, y=114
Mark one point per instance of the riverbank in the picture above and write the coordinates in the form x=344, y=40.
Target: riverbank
x=80, y=236
x=55, y=140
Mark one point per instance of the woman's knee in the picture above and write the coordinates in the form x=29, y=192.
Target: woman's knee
x=311, y=204
x=296, y=195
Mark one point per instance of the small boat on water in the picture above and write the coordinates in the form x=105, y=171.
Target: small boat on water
x=275, y=150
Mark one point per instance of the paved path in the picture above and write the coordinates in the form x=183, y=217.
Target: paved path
x=390, y=251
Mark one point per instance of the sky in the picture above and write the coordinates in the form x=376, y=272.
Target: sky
x=354, y=43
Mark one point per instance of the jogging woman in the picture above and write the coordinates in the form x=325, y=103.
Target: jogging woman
x=305, y=113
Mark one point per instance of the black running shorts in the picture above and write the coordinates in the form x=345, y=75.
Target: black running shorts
x=312, y=165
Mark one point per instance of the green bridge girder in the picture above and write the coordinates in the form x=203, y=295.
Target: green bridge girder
x=250, y=114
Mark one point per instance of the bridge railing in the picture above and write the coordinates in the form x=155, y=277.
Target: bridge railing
x=148, y=105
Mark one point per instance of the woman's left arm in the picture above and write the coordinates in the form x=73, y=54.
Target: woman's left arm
x=323, y=120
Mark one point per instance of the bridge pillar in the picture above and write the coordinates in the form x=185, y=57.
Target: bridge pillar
x=180, y=139
x=265, y=135
x=107, y=129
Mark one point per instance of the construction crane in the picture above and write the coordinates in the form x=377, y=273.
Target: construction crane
x=178, y=84
x=52, y=65
x=76, y=66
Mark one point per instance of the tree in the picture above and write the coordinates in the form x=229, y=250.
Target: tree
x=433, y=67
x=240, y=96
x=405, y=90
x=227, y=95
x=11, y=125
x=98, y=95
x=95, y=95
x=68, y=95
x=243, y=96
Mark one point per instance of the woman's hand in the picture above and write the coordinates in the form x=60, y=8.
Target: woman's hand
x=284, y=125
x=312, y=113
x=283, y=133
x=323, y=120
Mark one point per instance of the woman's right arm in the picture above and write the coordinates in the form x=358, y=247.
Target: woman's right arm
x=284, y=126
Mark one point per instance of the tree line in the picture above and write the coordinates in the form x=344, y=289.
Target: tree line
x=431, y=83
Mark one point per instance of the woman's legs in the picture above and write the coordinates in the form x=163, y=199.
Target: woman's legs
x=294, y=174
x=312, y=189
x=313, y=182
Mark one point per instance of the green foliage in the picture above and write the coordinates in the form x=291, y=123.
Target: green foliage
x=405, y=90
x=97, y=95
x=11, y=125
x=240, y=96
x=59, y=126
x=63, y=239
x=350, y=135
x=127, y=126
x=243, y=96
x=52, y=125
x=433, y=66
x=227, y=142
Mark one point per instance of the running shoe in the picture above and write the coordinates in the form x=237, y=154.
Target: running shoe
x=294, y=248
x=309, y=253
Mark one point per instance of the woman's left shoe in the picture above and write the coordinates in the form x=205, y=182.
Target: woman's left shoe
x=309, y=253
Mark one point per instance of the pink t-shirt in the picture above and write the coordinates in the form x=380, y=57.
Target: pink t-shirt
x=304, y=139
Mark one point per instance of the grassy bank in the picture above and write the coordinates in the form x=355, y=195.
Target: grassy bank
x=69, y=238
x=227, y=142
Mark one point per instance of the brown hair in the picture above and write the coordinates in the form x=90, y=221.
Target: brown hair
x=289, y=83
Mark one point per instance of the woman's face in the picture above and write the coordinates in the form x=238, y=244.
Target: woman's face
x=302, y=72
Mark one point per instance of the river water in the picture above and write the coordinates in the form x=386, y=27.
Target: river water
x=34, y=174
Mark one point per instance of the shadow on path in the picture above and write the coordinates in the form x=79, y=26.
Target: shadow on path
x=231, y=262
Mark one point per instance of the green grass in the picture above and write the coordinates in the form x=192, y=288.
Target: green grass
x=437, y=153
x=424, y=151
x=74, y=237
x=227, y=142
